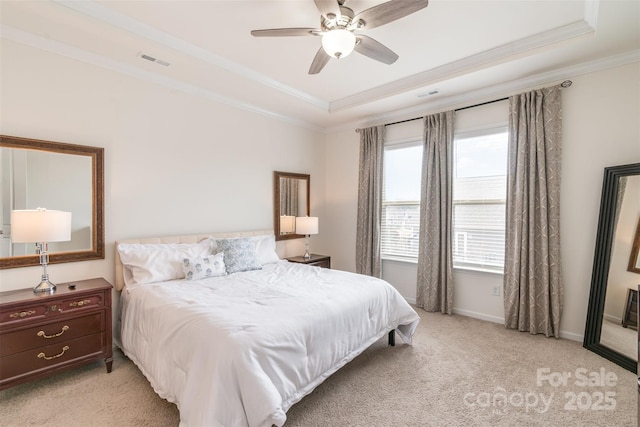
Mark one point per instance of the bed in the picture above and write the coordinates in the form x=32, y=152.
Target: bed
x=240, y=349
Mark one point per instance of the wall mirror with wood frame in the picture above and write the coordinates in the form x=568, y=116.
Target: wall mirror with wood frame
x=611, y=327
x=290, y=200
x=57, y=176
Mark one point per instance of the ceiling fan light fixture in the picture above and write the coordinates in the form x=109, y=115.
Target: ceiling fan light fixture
x=338, y=43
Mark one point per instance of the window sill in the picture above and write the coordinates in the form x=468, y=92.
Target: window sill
x=399, y=259
x=479, y=270
x=464, y=269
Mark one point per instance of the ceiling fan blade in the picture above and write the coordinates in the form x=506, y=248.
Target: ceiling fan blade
x=327, y=7
x=319, y=61
x=388, y=12
x=375, y=50
x=285, y=32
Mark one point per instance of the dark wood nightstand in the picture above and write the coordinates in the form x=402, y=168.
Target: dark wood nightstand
x=42, y=333
x=317, y=260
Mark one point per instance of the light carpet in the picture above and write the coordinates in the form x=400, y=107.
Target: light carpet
x=623, y=340
x=459, y=372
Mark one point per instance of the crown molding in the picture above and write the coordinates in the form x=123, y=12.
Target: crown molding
x=472, y=63
x=52, y=46
x=501, y=90
x=446, y=71
x=113, y=18
x=465, y=65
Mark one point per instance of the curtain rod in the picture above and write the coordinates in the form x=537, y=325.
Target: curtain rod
x=564, y=84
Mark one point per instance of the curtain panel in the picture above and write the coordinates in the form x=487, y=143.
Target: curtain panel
x=289, y=196
x=533, y=290
x=370, y=201
x=435, y=254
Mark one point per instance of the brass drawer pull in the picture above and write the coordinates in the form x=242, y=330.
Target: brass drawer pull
x=42, y=334
x=80, y=303
x=42, y=355
x=22, y=314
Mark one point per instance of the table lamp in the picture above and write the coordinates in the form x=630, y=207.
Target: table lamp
x=41, y=226
x=307, y=225
x=287, y=224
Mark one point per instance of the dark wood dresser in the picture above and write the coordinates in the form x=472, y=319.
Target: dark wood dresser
x=317, y=260
x=42, y=334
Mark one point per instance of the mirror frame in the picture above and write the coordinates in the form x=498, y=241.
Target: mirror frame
x=97, y=177
x=276, y=202
x=601, y=263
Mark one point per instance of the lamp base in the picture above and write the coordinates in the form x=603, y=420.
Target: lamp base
x=45, y=286
x=307, y=255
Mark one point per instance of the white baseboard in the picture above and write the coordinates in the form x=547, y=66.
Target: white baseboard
x=476, y=315
x=571, y=336
x=495, y=319
x=614, y=319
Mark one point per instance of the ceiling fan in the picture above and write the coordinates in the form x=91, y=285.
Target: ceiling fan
x=339, y=29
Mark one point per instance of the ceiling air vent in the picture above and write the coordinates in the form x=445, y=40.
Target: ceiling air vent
x=152, y=59
x=430, y=93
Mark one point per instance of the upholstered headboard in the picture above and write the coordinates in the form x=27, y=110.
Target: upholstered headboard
x=191, y=238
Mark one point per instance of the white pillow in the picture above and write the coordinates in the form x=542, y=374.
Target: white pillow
x=148, y=263
x=200, y=268
x=266, y=249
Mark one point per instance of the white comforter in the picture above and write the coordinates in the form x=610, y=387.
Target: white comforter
x=239, y=350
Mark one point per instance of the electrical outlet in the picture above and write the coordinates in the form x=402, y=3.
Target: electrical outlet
x=495, y=290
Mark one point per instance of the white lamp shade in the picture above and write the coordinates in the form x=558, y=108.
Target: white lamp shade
x=338, y=43
x=307, y=225
x=287, y=224
x=40, y=225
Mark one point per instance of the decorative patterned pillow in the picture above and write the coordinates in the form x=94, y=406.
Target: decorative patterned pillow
x=200, y=268
x=239, y=254
x=265, y=247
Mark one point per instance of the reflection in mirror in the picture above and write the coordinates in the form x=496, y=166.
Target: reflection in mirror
x=612, y=310
x=33, y=178
x=619, y=320
x=55, y=176
x=291, y=199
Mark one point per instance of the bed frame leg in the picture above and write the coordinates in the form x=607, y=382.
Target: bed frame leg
x=392, y=338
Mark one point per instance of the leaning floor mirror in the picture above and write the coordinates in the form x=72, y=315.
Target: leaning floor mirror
x=612, y=315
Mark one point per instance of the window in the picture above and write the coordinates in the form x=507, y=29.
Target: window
x=401, y=201
x=479, y=193
x=479, y=196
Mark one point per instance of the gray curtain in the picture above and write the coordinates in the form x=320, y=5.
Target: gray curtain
x=435, y=257
x=289, y=196
x=369, y=201
x=532, y=284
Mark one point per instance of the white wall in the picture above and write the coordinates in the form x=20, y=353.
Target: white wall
x=174, y=163
x=600, y=128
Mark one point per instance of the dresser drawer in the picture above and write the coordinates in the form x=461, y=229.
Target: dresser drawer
x=50, y=309
x=50, y=357
x=51, y=333
x=82, y=303
x=28, y=313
